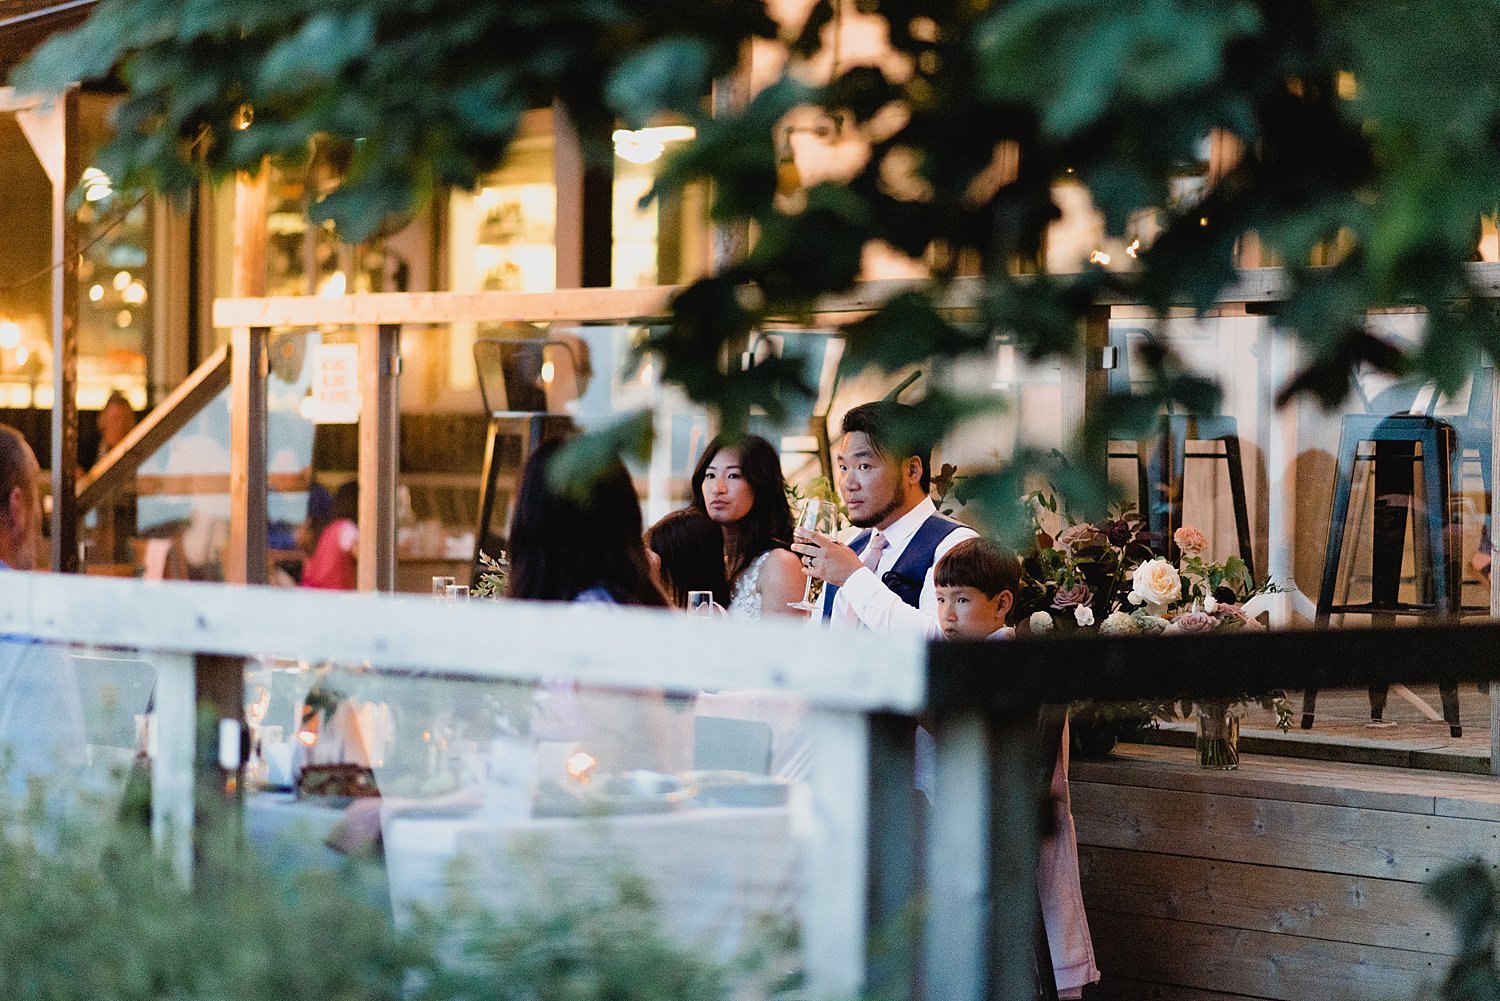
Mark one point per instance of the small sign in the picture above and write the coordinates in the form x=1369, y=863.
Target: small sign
x=335, y=388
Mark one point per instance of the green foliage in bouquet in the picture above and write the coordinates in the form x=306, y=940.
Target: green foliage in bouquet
x=493, y=578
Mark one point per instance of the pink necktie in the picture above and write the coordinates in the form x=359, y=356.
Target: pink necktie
x=871, y=559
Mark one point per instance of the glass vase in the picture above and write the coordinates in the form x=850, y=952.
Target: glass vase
x=1218, y=736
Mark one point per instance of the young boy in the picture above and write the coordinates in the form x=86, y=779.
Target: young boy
x=977, y=582
x=976, y=585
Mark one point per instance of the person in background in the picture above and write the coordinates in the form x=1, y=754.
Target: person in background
x=976, y=583
x=332, y=565
x=883, y=579
x=689, y=550
x=740, y=487
x=116, y=420
x=41, y=715
x=588, y=549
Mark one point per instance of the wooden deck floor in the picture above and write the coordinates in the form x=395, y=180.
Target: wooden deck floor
x=1285, y=880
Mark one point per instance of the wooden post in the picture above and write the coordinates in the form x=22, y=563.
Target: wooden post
x=835, y=896
x=249, y=369
x=980, y=933
x=894, y=857
x=1085, y=381
x=585, y=209
x=379, y=454
x=51, y=128
x=1492, y=373
x=172, y=800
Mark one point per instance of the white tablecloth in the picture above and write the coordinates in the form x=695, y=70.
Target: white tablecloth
x=713, y=871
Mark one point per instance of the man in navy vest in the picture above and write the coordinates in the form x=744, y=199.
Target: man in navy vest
x=883, y=579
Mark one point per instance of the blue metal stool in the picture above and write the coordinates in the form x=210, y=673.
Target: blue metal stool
x=1397, y=440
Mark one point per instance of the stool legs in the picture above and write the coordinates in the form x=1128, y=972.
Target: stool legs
x=1342, y=484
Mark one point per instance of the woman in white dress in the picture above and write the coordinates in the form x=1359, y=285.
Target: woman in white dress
x=739, y=485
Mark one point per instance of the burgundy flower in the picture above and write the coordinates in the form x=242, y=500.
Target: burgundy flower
x=1071, y=597
x=1117, y=532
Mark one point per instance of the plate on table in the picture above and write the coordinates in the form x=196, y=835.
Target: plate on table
x=626, y=793
x=728, y=788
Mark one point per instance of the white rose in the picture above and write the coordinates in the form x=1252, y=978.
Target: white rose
x=1135, y=598
x=1210, y=605
x=1157, y=582
x=1039, y=622
x=1083, y=615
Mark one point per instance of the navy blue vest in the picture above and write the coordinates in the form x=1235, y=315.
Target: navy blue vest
x=910, y=572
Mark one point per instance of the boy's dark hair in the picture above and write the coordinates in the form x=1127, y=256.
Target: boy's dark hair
x=981, y=564
x=875, y=420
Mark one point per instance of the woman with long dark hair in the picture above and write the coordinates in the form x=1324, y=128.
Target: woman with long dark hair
x=739, y=485
x=569, y=548
x=689, y=548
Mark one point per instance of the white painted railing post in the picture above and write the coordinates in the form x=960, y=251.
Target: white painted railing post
x=836, y=885
x=172, y=780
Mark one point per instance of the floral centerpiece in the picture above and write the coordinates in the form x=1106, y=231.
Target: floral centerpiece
x=1109, y=577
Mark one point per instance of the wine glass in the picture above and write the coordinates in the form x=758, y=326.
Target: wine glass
x=822, y=517
x=701, y=603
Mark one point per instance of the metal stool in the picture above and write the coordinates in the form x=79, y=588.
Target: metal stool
x=1396, y=440
x=1161, y=462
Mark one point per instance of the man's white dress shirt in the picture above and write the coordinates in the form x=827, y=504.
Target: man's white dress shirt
x=877, y=606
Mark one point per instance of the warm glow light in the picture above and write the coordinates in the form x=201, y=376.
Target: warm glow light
x=22, y=354
x=647, y=374
x=122, y=279
x=96, y=185
x=135, y=293
x=333, y=286
x=10, y=333
x=1134, y=250
x=244, y=117
x=548, y=371
x=579, y=765
x=122, y=319
x=1203, y=220
x=308, y=737
x=645, y=145
x=96, y=293
x=1099, y=257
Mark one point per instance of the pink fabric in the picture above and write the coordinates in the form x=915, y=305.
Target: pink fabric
x=332, y=565
x=1062, y=895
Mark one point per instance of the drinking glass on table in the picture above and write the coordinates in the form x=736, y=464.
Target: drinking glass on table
x=822, y=517
x=458, y=592
x=702, y=603
x=440, y=586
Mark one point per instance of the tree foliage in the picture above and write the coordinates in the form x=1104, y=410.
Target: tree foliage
x=1372, y=126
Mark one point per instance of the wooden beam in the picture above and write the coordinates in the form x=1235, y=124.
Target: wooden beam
x=379, y=454
x=12, y=100
x=64, y=458
x=115, y=470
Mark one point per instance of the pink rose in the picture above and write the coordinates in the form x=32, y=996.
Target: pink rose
x=1193, y=622
x=1070, y=597
x=1191, y=541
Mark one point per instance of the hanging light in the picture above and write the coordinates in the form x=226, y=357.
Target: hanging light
x=647, y=145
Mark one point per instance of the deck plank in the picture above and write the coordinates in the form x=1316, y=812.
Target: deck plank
x=1331, y=906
